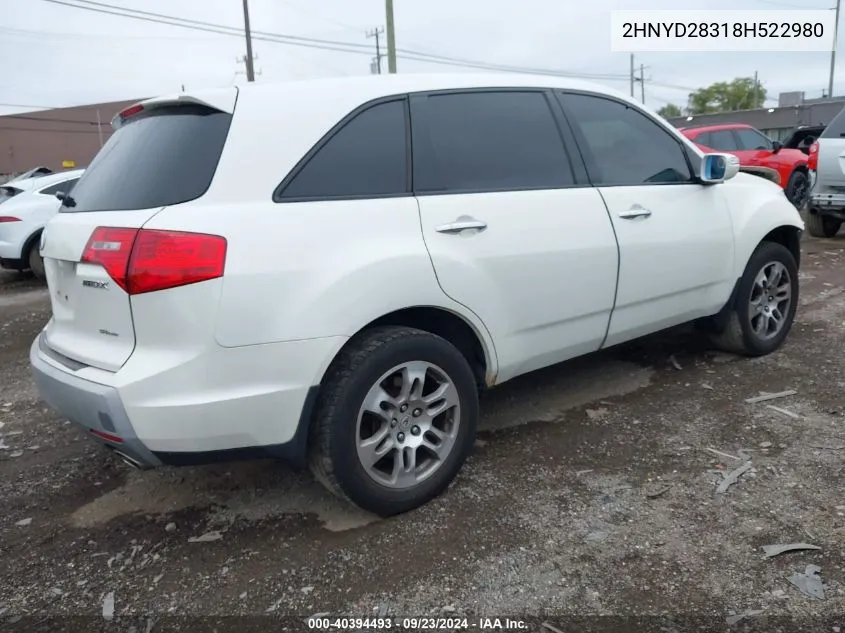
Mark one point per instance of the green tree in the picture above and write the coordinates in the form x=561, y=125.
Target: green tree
x=723, y=96
x=669, y=110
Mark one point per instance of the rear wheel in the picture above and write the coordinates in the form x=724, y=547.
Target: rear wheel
x=819, y=225
x=798, y=188
x=395, y=421
x=35, y=261
x=765, y=303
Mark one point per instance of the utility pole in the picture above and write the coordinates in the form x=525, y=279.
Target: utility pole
x=391, y=38
x=756, y=91
x=642, y=83
x=250, y=73
x=632, y=75
x=376, y=33
x=833, y=51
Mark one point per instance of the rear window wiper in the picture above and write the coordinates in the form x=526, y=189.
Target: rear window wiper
x=67, y=201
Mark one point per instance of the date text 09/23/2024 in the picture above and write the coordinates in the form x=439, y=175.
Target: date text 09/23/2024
x=415, y=624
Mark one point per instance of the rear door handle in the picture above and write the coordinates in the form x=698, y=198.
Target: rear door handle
x=461, y=224
x=635, y=212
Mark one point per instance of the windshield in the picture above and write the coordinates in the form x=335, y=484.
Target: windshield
x=158, y=158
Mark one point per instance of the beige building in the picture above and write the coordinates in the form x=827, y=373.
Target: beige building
x=64, y=138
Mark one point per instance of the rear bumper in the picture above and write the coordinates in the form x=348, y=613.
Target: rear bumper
x=229, y=404
x=89, y=405
x=827, y=200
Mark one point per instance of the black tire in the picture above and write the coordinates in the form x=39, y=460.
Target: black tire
x=333, y=447
x=739, y=337
x=35, y=261
x=819, y=225
x=798, y=188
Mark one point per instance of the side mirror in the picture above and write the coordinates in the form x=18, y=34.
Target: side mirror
x=776, y=146
x=716, y=168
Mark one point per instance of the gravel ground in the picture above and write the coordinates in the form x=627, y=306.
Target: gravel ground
x=592, y=491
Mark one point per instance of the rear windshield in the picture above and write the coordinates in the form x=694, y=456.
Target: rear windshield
x=158, y=158
x=836, y=128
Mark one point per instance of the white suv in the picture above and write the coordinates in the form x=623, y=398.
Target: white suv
x=329, y=271
x=27, y=205
x=826, y=211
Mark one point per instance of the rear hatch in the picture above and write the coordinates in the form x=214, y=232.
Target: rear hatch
x=831, y=155
x=164, y=152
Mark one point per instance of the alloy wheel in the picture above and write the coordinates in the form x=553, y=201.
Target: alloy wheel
x=771, y=299
x=408, y=424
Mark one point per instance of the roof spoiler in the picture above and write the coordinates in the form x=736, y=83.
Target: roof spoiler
x=217, y=99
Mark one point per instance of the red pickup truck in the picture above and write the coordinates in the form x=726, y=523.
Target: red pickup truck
x=755, y=149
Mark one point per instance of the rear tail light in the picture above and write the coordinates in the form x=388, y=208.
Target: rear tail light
x=8, y=218
x=813, y=157
x=143, y=260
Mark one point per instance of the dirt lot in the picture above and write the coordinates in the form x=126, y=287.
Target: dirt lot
x=591, y=492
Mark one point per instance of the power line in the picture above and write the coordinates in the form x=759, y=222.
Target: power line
x=339, y=46
x=33, y=129
x=40, y=119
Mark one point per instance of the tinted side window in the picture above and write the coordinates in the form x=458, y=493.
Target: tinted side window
x=624, y=146
x=752, y=139
x=366, y=157
x=703, y=139
x=836, y=128
x=65, y=186
x=487, y=141
x=723, y=140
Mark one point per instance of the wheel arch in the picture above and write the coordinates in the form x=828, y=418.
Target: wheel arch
x=29, y=243
x=787, y=235
x=458, y=330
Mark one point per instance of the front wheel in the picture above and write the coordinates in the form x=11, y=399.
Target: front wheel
x=395, y=421
x=765, y=303
x=798, y=188
x=819, y=225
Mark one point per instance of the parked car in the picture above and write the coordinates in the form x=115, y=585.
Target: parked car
x=329, y=271
x=803, y=137
x=27, y=207
x=827, y=201
x=36, y=172
x=755, y=149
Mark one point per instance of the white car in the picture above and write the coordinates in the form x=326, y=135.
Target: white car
x=330, y=271
x=25, y=207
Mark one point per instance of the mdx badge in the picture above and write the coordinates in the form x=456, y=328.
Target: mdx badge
x=101, y=285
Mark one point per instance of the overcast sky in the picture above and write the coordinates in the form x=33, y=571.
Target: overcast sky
x=54, y=55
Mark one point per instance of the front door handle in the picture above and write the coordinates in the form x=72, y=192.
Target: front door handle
x=461, y=224
x=635, y=212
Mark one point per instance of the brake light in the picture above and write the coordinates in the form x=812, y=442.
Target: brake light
x=145, y=260
x=9, y=218
x=110, y=248
x=167, y=259
x=131, y=111
x=813, y=157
